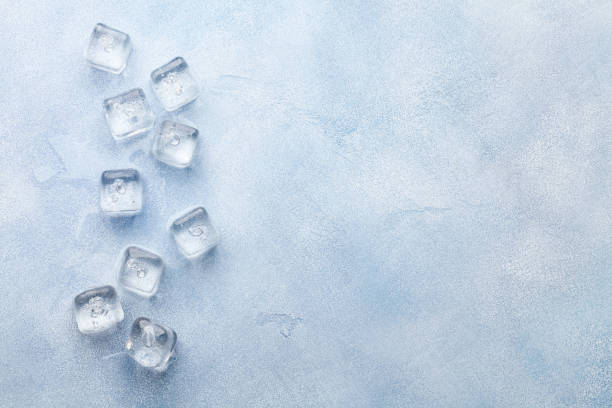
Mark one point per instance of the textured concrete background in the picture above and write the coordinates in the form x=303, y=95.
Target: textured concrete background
x=415, y=202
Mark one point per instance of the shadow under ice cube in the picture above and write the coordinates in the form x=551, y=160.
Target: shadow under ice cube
x=175, y=144
x=193, y=233
x=140, y=271
x=97, y=310
x=173, y=85
x=151, y=345
x=121, y=192
x=128, y=114
x=108, y=49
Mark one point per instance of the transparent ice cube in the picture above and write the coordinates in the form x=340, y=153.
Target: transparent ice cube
x=121, y=192
x=174, y=86
x=97, y=310
x=128, y=114
x=140, y=271
x=108, y=49
x=193, y=233
x=175, y=143
x=151, y=345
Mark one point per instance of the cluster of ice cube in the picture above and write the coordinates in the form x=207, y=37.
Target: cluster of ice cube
x=129, y=114
x=139, y=270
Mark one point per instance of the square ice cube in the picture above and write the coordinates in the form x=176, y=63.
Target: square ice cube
x=151, y=345
x=193, y=233
x=121, y=192
x=129, y=114
x=174, y=86
x=140, y=271
x=97, y=310
x=175, y=143
x=108, y=49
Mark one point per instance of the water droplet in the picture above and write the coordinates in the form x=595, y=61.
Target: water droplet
x=196, y=230
x=178, y=90
x=141, y=272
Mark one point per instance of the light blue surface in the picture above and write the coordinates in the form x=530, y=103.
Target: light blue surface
x=414, y=199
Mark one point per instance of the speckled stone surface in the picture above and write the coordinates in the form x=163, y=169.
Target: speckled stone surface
x=413, y=199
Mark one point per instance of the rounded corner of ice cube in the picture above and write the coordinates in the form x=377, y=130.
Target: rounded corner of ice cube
x=141, y=293
x=119, y=70
x=117, y=137
x=122, y=214
x=201, y=255
x=170, y=108
x=183, y=165
x=114, y=213
x=133, y=135
x=122, y=255
x=150, y=294
x=180, y=214
x=106, y=103
x=125, y=250
x=186, y=103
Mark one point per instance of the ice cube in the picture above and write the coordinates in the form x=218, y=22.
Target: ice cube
x=140, y=271
x=97, y=310
x=193, y=233
x=175, y=143
x=121, y=192
x=174, y=86
x=151, y=345
x=128, y=114
x=108, y=49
